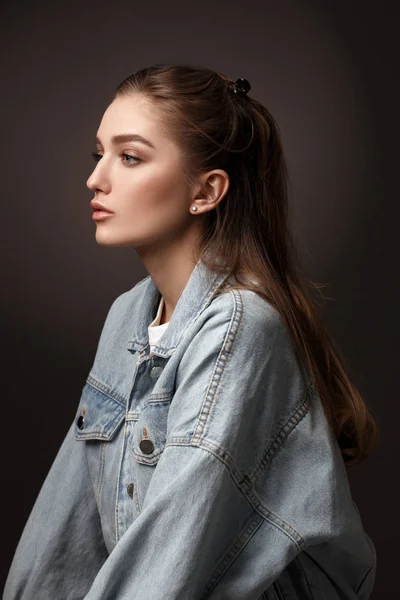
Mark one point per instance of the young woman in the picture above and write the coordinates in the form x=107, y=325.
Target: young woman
x=209, y=453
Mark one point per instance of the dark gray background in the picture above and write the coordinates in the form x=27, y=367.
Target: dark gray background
x=326, y=71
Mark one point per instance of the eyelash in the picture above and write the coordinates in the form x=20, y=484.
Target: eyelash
x=96, y=157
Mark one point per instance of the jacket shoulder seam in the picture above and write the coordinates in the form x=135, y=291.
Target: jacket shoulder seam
x=297, y=414
x=244, y=486
x=219, y=367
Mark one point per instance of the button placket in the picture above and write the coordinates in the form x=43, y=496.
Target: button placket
x=126, y=508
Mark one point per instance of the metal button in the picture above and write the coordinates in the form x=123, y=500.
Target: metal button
x=129, y=489
x=146, y=446
x=156, y=372
x=80, y=421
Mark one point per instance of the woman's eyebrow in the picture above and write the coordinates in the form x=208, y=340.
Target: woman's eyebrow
x=128, y=137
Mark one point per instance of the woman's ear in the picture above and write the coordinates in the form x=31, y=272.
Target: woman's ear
x=213, y=189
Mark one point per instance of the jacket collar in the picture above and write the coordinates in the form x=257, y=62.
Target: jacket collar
x=197, y=294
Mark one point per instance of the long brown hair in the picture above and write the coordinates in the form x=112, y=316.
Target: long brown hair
x=249, y=230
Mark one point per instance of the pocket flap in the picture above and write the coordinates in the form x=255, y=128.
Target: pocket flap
x=98, y=415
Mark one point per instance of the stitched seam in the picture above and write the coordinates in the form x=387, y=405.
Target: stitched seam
x=117, y=495
x=266, y=513
x=293, y=420
x=107, y=391
x=102, y=461
x=219, y=367
x=159, y=397
x=241, y=541
x=101, y=435
x=143, y=460
x=248, y=481
x=132, y=417
x=106, y=432
x=136, y=495
x=205, y=301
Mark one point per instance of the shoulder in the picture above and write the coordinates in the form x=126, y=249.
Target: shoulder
x=245, y=314
x=239, y=384
x=258, y=330
x=240, y=332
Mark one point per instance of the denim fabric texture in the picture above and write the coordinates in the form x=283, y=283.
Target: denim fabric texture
x=204, y=470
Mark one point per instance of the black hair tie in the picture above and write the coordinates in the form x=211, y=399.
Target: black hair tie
x=241, y=86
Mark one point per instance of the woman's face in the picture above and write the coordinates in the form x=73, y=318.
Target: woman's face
x=145, y=190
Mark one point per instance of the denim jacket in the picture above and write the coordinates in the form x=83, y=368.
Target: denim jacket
x=204, y=470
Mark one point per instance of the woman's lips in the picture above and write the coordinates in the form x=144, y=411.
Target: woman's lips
x=99, y=215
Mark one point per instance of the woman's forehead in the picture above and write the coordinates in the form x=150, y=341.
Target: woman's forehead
x=133, y=116
x=133, y=111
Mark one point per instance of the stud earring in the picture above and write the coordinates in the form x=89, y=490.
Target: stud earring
x=194, y=208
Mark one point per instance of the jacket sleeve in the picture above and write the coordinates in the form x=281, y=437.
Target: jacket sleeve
x=61, y=548
x=217, y=522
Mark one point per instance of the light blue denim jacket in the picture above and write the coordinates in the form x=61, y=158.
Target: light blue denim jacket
x=204, y=470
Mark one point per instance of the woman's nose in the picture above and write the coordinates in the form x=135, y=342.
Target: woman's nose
x=90, y=183
x=95, y=181
x=99, y=179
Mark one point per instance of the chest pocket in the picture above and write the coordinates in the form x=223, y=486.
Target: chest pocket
x=99, y=414
x=151, y=429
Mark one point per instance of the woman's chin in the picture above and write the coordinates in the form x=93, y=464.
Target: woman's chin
x=104, y=238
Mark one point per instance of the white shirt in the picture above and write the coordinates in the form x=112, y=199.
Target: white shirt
x=155, y=329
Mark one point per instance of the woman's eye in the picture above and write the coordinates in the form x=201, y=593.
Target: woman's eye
x=129, y=156
x=96, y=157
